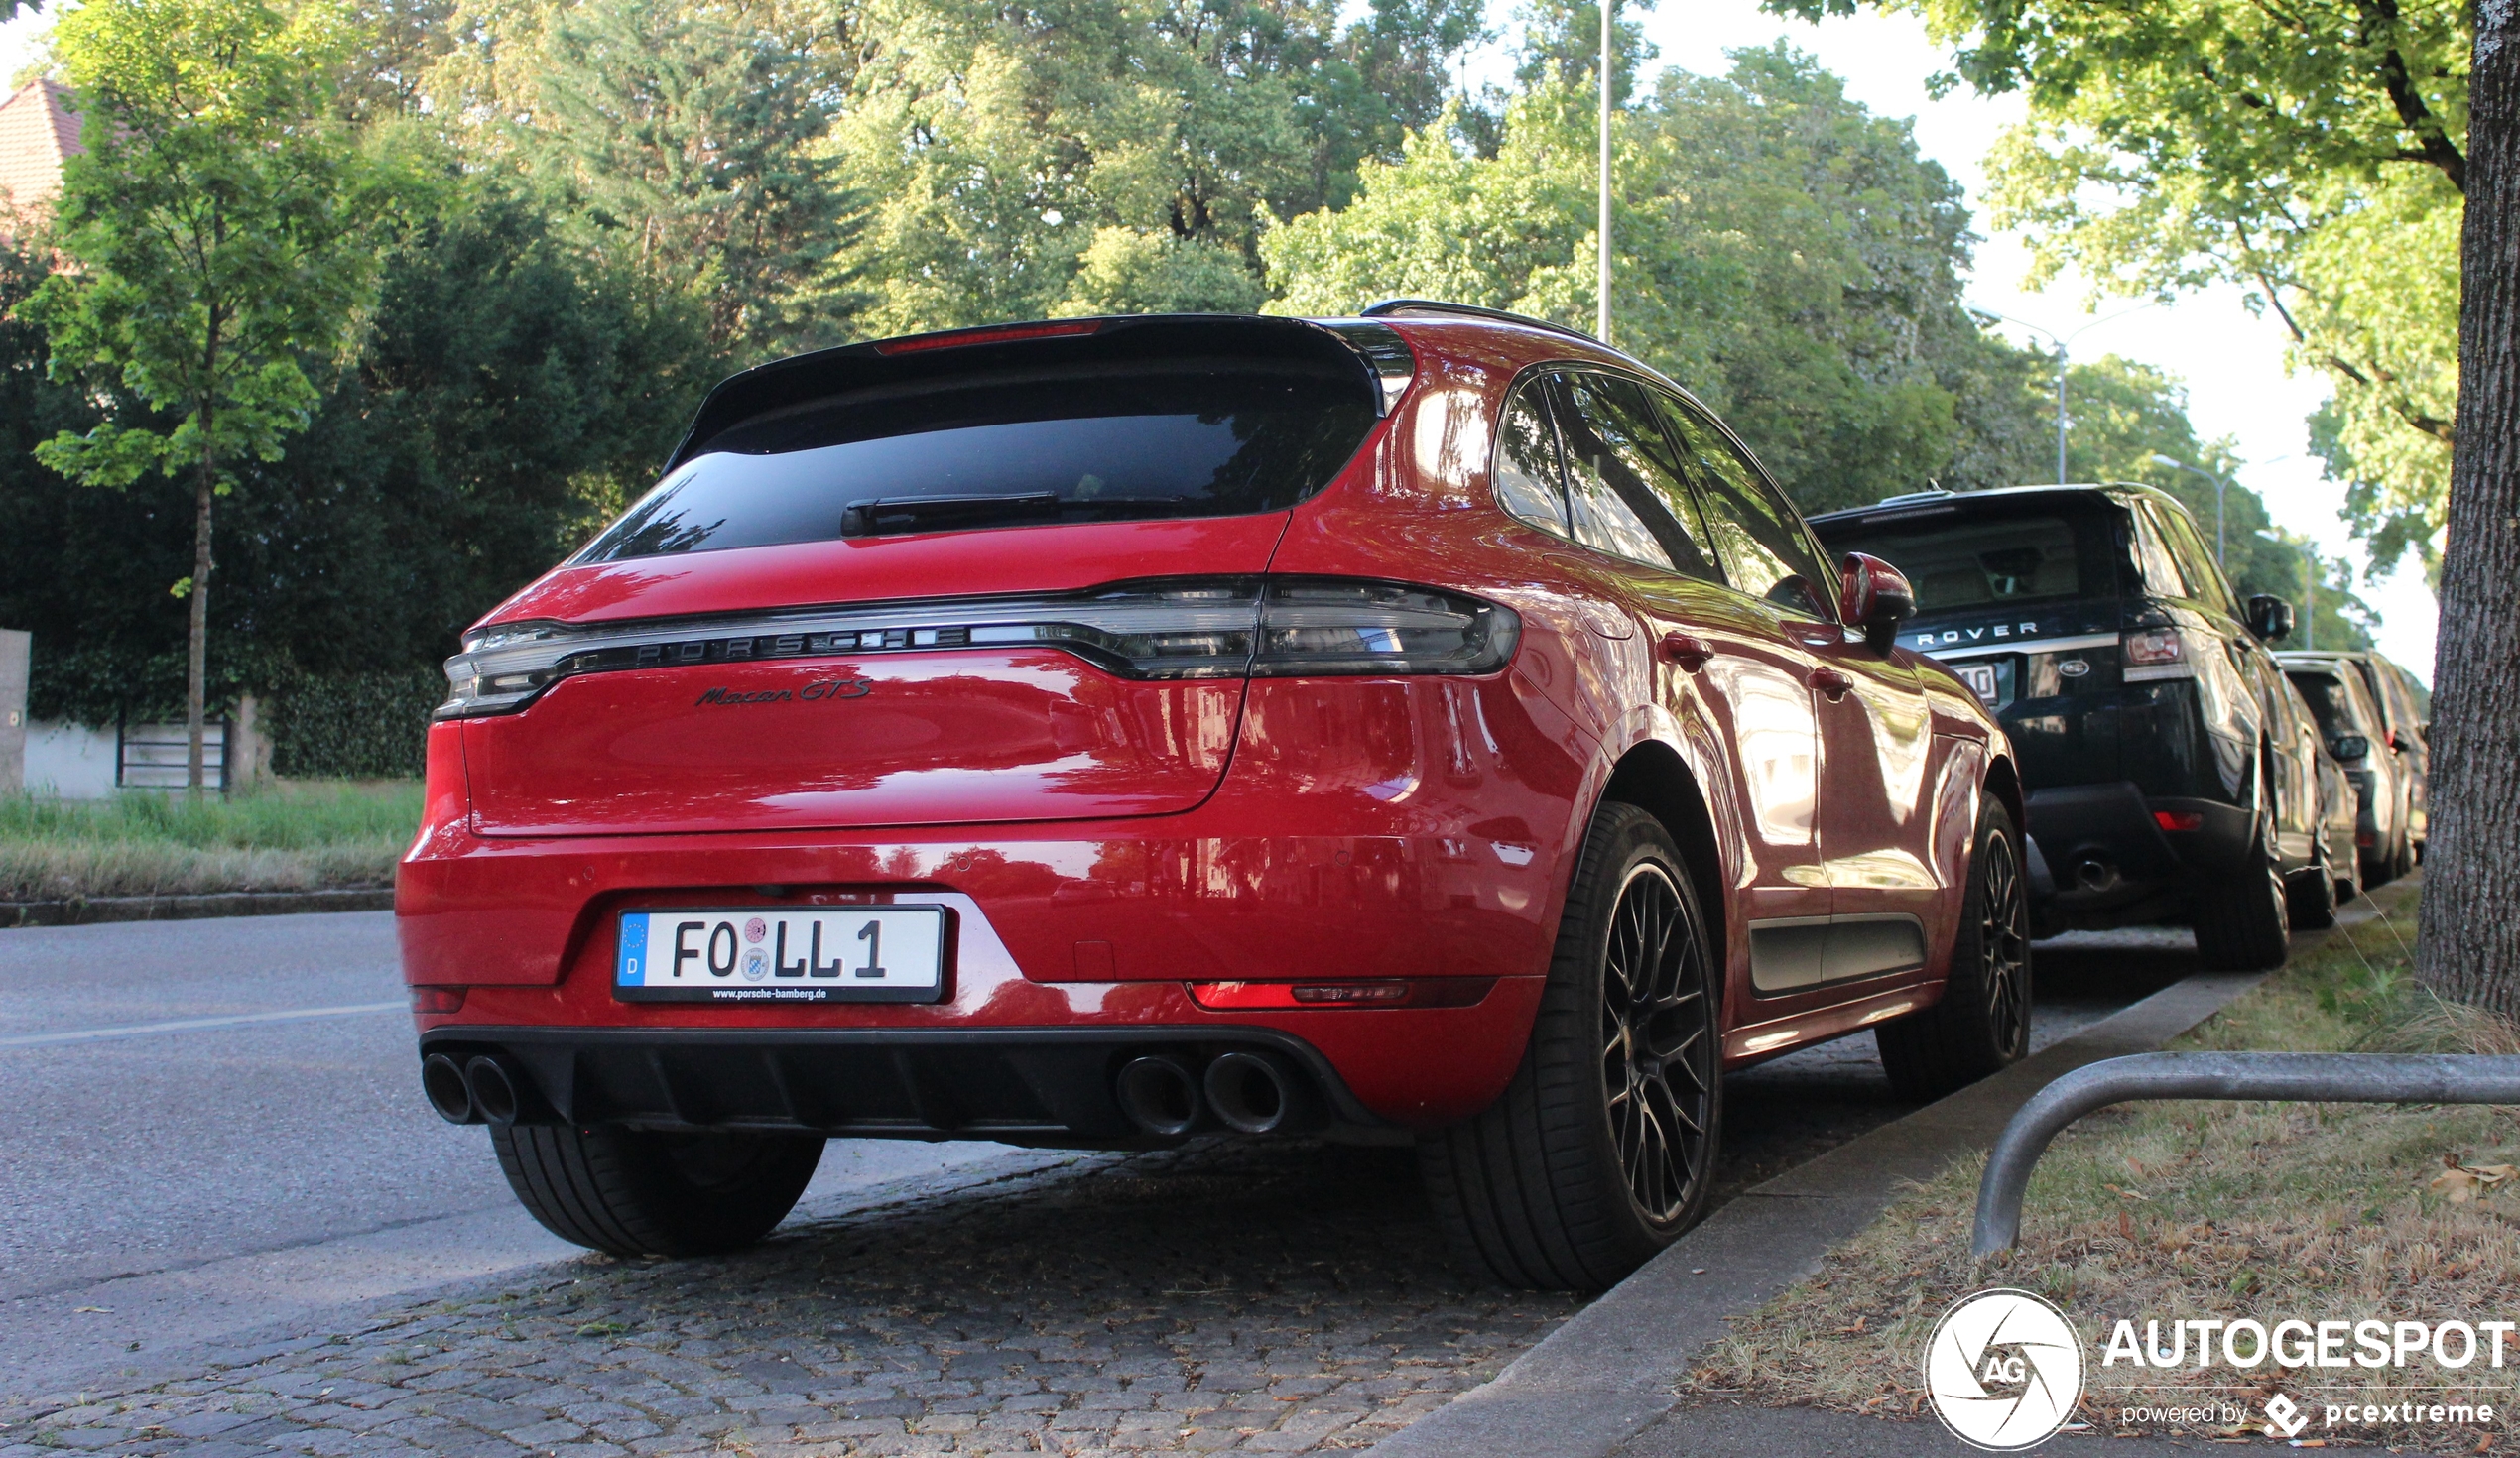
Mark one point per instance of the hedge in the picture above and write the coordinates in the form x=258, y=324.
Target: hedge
x=355, y=726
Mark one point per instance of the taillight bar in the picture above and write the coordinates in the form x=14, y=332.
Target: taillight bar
x=1192, y=627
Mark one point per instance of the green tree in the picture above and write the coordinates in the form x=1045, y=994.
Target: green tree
x=691, y=142
x=213, y=227
x=2125, y=416
x=1782, y=252
x=2312, y=153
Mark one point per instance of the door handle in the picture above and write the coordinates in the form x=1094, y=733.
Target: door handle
x=1831, y=683
x=1691, y=653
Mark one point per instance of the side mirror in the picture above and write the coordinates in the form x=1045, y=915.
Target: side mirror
x=1874, y=596
x=2350, y=746
x=2270, y=617
x=2400, y=743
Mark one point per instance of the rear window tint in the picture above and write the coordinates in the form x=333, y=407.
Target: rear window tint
x=1958, y=558
x=2332, y=703
x=1124, y=445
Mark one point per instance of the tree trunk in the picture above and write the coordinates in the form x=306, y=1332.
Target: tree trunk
x=197, y=648
x=2471, y=950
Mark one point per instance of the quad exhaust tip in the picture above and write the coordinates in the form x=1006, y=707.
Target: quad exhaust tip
x=1259, y=1093
x=443, y=1080
x=1159, y=1096
x=496, y=1094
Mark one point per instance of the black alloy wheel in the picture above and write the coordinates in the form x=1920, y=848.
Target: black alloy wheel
x=1656, y=1040
x=1602, y=1148
x=2003, y=947
x=1982, y=1023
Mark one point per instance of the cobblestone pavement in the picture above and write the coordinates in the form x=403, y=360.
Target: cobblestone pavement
x=1268, y=1297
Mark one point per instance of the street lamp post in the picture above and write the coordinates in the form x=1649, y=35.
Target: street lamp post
x=1602, y=310
x=2063, y=342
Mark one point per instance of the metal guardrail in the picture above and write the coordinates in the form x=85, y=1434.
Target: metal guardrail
x=2343, y=1078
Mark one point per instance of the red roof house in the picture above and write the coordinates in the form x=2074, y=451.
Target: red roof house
x=38, y=130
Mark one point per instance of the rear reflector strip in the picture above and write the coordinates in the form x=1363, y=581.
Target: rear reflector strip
x=1190, y=628
x=1395, y=992
x=2179, y=819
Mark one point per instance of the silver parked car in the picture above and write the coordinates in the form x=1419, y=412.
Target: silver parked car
x=2359, y=735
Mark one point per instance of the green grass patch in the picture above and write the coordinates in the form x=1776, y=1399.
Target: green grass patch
x=293, y=836
x=2172, y=1211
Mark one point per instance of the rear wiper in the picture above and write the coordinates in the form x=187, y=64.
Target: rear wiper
x=879, y=516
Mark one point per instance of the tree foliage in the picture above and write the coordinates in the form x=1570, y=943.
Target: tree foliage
x=2308, y=152
x=1781, y=251
x=212, y=220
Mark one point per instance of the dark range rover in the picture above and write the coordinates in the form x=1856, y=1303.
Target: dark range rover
x=2172, y=775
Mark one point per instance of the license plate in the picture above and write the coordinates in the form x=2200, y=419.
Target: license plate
x=847, y=954
x=1981, y=681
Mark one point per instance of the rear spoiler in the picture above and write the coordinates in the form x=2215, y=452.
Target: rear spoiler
x=1376, y=354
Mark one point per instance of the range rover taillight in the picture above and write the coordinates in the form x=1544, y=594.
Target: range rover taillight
x=2152, y=647
x=1214, y=628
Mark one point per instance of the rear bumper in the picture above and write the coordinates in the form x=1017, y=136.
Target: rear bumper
x=1367, y=830
x=1043, y=1086
x=2103, y=846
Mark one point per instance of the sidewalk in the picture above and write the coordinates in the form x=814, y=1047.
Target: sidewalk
x=1603, y=1383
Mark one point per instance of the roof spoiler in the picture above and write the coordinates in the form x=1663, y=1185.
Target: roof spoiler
x=1375, y=351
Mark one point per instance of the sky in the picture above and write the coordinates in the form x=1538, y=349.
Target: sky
x=2231, y=361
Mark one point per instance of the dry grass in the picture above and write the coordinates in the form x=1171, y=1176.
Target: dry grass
x=294, y=837
x=2174, y=1211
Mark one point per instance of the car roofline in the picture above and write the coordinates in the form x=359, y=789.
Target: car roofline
x=1918, y=500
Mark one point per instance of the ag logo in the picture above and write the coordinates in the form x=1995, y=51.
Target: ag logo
x=2004, y=1370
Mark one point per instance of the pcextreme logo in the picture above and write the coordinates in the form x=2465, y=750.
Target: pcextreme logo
x=2004, y=1370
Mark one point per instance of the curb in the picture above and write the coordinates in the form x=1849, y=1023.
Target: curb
x=1610, y=1370
x=83, y=910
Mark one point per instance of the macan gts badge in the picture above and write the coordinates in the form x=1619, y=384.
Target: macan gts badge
x=1429, y=728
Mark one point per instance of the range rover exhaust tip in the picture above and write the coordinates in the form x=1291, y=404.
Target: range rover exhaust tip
x=1259, y=1093
x=1159, y=1096
x=498, y=1093
x=443, y=1080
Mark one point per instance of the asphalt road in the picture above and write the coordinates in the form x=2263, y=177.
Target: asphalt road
x=212, y=1127
x=210, y=1130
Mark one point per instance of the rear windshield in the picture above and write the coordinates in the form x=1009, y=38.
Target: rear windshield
x=2331, y=703
x=1991, y=556
x=1098, y=445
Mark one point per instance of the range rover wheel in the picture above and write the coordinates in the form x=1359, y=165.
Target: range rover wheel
x=1982, y=1024
x=2243, y=924
x=2310, y=897
x=1603, y=1148
x=636, y=1193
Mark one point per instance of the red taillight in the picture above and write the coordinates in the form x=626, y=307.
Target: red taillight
x=2179, y=819
x=994, y=335
x=1415, y=992
x=2153, y=647
x=2365, y=839
x=438, y=1000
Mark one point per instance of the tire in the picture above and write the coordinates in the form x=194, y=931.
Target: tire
x=2310, y=897
x=2244, y=922
x=635, y=1193
x=2402, y=865
x=1603, y=1148
x=1982, y=1026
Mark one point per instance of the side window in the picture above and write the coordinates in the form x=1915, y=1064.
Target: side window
x=2152, y=559
x=1527, y=483
x=2195, y=564
x=1614, y=511
x=1766, y=553
x=1618, y=422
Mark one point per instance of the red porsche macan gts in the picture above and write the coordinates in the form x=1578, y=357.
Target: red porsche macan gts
x=1427, y=727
